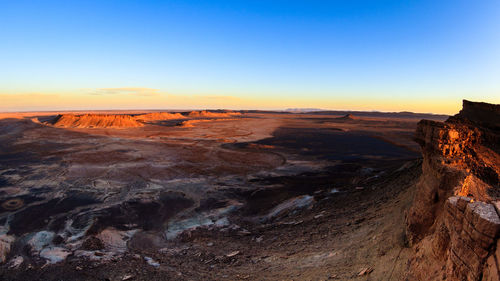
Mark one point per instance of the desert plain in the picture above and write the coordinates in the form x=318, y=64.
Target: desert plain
x=206, y=195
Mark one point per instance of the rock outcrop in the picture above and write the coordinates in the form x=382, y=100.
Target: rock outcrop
x=127, y=120
x=210, y=114
x=159, y=116
x=454, y=223
x=5, y=245
x=348, y=117
x=96, y=121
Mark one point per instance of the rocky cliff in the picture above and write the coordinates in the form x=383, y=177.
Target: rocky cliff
x=453, y=224
x=127, y=120
x=96, y=121
x=159, y=116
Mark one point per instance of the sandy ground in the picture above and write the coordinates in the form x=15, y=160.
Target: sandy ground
x=149, y=187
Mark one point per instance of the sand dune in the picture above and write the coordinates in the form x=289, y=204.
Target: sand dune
x=95, y=121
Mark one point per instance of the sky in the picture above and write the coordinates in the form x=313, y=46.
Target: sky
x=421, y=56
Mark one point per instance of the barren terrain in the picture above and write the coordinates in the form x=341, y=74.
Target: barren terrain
x=206, y=195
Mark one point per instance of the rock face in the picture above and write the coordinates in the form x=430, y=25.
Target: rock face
x=96, y=121
x=128, y=121
x=454, y=222
x=209, y=114
x=158, y=116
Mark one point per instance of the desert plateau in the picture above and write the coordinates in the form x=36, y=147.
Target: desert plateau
x=249, y=195
x=296, y=140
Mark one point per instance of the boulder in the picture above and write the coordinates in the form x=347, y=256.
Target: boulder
x=5, y=245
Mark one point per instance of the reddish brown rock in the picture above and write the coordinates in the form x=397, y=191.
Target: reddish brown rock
x=491, y=271
x=96, y=121
x=210, y=114
x=455, y=210
x=159, y=116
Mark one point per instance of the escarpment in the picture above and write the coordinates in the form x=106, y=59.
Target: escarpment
x=129, y=120
x=158, y=116
x=453, y=224
x=96, y=121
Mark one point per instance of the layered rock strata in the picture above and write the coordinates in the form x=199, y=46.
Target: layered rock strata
x=96, y=121
x=453, y=224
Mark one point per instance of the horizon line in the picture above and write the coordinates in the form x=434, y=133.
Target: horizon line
x=289, y=110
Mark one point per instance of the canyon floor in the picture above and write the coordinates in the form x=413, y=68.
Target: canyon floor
x=251, y=196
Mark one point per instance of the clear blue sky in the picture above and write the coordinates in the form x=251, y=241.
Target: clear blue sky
x=319, y=51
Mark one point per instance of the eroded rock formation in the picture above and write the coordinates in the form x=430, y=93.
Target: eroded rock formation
x=348, y=117
x=127, y=120
x=453, y=223
x=158, y=116
x=96, y=121
x=209, y=114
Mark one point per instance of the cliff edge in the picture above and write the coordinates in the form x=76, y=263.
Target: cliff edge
x=453, y=224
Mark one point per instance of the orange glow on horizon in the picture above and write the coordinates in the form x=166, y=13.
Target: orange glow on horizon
x=144, y=98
